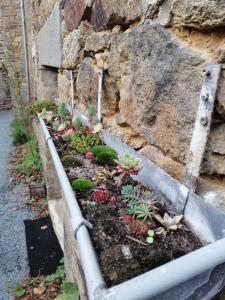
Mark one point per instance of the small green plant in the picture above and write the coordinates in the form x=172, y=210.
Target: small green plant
x=82, y=143
x=77, y=123
x=82, y=184
x=133, y=193
x=105, y=155
x=140, y=204
x=62, y=112
x=19, y=131
x=59, y=274
x=47, y=115
x=69, y=160
x=92, y=111
x=18, y=291
x=150, y=237
x=140, y=210
x=128, y=163
x=32, y=160
x=70, y=292
x=38, y=106
x=55, y=125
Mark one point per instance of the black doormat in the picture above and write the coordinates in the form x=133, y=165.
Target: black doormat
x=44, y=251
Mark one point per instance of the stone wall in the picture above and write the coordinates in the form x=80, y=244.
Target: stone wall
x=152, y=53
x=11, y=46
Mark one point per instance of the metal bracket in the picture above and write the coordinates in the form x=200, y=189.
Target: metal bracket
x=48, y=138
x=77, y=222
x=202, y=124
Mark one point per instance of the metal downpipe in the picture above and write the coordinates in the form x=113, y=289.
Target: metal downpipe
x=25, y=49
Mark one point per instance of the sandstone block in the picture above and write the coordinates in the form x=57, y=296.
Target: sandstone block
x=87, y=87
x=64, y=86
x=73, y=46
x=75, y=11
x=99, y=41
x=107, y=13
x=202, y=14
x=158, y=96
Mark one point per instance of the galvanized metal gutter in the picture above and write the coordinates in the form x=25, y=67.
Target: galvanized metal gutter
x=170, y=275
x=152, y=283
x=92, y=273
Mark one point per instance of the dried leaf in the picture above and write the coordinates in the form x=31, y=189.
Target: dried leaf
x=39, y=290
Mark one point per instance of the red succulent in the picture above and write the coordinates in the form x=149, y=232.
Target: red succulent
x=138, y=227
x=127, y=219
x=100, y=196
x=113, y=200
x=90, y=155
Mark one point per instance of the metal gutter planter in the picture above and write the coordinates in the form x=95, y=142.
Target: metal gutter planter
x=197, y=275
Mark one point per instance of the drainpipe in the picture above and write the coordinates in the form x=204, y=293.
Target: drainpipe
x=100, y=78
x=25, y=50
x=72, y=90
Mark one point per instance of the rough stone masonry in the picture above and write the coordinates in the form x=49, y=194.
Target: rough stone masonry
x=153, y=53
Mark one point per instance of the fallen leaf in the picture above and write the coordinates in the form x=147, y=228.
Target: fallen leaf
x=39, y=290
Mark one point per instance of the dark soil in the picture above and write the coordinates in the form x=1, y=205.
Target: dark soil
x=122, y=258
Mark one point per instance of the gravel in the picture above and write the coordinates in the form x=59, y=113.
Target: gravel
x=13, y=256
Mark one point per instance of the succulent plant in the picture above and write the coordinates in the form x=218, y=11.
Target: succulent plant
x=67, y=134
x=82, y=184
x=140, y=210
x=90, y=155
x=102, y=176
x=77, y=123
x=38, y=105
x=140, y=204
x=127, y=219
x=129, y=163
x=100, y=196
x=150, y=237
x=92, y=111
x=97, y=128
x=113, y=199
x=47, y=115
x=62, y=112
x=138, y=227
x=55, y=125
x=83, y=143
x=169, y=223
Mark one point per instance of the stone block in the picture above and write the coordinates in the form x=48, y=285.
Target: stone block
x=75, y=11
x=73, y=46
x=107, y=13
x=64, y=86
x=50, y=41
x=202, y=14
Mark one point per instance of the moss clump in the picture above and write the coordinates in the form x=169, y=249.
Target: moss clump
x=105, y=155
x=82, y=143
x=82, y=184
x=69, y=160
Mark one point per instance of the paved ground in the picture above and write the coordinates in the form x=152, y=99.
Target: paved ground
x=13, y=256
